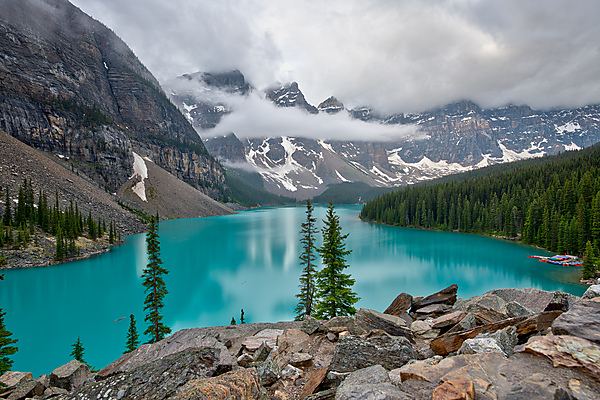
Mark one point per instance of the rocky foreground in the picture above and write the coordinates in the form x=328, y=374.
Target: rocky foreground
x=505, y=344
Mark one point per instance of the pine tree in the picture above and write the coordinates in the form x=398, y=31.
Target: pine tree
x=6, y=348
x=60, y=246
x=306, y=296
x=333, y=287
x=155, y=286
x=132, y=342
x=242, y=321
x=232, y=321
x=78, y=351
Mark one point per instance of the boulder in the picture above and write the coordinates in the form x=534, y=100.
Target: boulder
x=267, y=336
x=70, y=376
x=262, y=352
x=535, y=300
x=434, y=309
x=346, y=322
x=298, y=339
x=424, y=330
x=561, y=301
x=480, y=345
x=176, y=343
x=591, y=292
x=291, y=372
x=465, y=324
x=487, y=309
x=26, y=389
x=301, y=360
x=353, y=352
x=245, y=360
x=448, y=320
x=241, y=384
x=13, y=378
x=369, y=320
x=455, y=389
x=515, y=309
x=268, y=372
x=568, y=351
x=582, y=320
x=372, y=383
x=400, y=305
x=313, y=381
x=445, y=296
x=157, y=380
x=310, y=325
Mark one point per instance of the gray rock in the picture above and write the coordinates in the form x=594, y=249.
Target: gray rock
x=480, y=345
x=434, y=309
x=515, y=309
x=369, y=383
x=291, y=372
x=344, y=321
x=176, y=343
x=310, y=325
x=352, y=353
x=268, y=372
x=262, y=352
x=70, y=376
x=465, y=324
x=26, y=389
x=301, y=360
x=507, y=339
x=13, y=378
x=53, y=391
x=535, y=300
x=334, y=379
x=591, y=292
x=445, y=296
x=156, y=380
x=582, y=320
x=369, y=320
x=561, y=301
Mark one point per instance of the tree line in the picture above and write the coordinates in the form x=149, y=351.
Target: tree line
x=19, y=227
x=554, y=204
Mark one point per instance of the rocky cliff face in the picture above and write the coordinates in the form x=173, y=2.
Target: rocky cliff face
x=71, y=86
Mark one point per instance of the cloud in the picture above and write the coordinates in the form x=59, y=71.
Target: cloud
x=394, y=55
x=256, y=117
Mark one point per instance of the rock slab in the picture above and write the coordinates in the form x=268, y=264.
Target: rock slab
x=372, y=383
x=241, y=384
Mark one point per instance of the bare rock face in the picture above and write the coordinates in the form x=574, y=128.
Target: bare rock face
x=71, y=86
x=353, y=353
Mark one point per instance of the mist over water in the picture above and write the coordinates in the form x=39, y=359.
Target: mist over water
x=219, y=265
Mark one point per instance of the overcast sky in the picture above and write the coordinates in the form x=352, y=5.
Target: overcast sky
x=394, y=55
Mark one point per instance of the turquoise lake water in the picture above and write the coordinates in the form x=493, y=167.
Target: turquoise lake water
x=220, y=265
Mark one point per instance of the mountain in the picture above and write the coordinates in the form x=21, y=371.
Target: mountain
x=70, y=86
x=290, y=95
x=455, y=138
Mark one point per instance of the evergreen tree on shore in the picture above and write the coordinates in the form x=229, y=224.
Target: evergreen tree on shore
x=6, y=343
x=78, y=350
x=333, y=287
x=132, y=342
x=155, y=285
x=306, y=297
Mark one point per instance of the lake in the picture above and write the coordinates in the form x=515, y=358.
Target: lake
x=219, y=265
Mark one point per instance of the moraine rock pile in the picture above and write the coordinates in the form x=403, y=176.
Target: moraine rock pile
x=505, y=344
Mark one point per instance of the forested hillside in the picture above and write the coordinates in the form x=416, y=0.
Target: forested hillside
x=554, y=203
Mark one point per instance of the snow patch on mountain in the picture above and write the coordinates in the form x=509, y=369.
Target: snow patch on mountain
x=140, y=170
